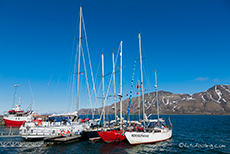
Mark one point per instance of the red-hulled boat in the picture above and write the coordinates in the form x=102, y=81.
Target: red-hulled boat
x=115, y=135
x=16, y=117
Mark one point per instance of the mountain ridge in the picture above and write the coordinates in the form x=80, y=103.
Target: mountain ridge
x=214, y=101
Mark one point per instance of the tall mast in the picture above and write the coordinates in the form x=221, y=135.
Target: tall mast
x=79, y=58
x=121, y=85
x=142, y=87
x=156, y=95
x=103, y=89
x=114, y=87
x=139, y=104
x=15, y=90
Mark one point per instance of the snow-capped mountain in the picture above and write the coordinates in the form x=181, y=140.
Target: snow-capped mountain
x=215, y=100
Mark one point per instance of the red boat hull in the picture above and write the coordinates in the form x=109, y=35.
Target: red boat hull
x=13, y=123
x=112, y=135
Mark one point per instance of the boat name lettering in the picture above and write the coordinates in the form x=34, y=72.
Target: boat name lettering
x=139, y=135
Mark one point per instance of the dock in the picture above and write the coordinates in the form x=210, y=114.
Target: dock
x=63, y=139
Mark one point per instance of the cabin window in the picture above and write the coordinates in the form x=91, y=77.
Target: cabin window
x=31, y=131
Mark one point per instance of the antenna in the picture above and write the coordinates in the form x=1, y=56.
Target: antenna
x=156, y=95
x=15, y=86
x=31, y=95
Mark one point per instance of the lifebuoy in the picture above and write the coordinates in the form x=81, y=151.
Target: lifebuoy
x=39, y=122
x=62, y=132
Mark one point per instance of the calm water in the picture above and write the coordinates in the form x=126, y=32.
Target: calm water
x=191, y=134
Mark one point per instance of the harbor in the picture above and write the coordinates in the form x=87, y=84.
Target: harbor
x=173, y=145
x=102, y=77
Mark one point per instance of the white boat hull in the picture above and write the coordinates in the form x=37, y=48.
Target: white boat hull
x=30, y=131
x=148, y=137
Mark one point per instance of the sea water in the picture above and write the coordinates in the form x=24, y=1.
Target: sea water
x=191, y=134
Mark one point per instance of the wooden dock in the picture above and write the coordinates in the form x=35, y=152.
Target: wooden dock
x=63, y=139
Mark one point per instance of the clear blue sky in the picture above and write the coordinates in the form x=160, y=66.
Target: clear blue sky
x=187, y=42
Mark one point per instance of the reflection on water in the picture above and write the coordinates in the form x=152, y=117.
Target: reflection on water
x=114, y=148
x=162, y=147
x=188, y=129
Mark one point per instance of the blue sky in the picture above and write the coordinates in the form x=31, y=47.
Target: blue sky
x=187, y=42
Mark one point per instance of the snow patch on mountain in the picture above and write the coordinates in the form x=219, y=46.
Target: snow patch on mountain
x=163, y=100
x=214, y=99
x=203, y=98
x=225, y=88
x=188, y=98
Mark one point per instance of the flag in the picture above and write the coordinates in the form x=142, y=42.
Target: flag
x=138, y=86
x=81, y=73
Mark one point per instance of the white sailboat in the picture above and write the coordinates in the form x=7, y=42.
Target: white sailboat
x=58, y=124
x=156, y=130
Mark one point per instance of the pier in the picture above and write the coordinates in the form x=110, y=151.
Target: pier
x=63, y=139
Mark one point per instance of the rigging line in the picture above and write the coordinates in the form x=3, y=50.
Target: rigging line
x=99, y=64
x=111, y=77
x=32, y=95
x=99, y=91
x=146, y=63
x=68, y=89
x=87, y=83
x=83, y=23
x=68, y=92
x=147, y=79
x=130, y=94
x=72, y=80
x=58, y=80
x=96, y=79
x=75, y=67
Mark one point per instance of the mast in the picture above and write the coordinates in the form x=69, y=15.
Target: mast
x=121, y=86
x=156, y=95
x=103, y=89
x=139, y=104
x=15, y=90
x=79, y=58
x=19, y=100
x=142, y=88
x=114, y=87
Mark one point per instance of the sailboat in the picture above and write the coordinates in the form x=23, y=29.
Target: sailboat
x=93, y=133
x=115, y=134
x=156, y=130
x=58, y=125
x=16, y=116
